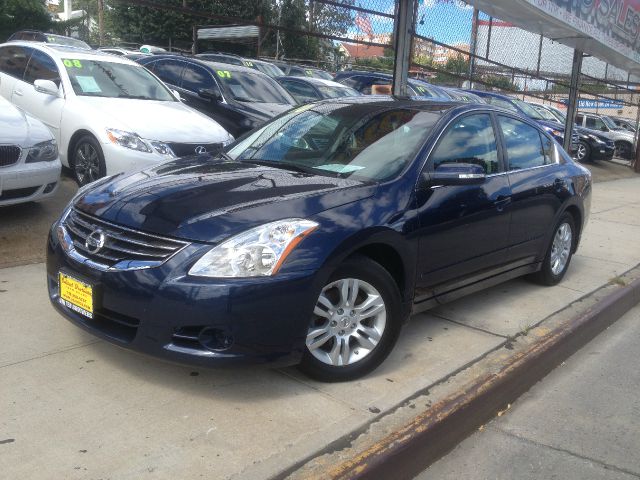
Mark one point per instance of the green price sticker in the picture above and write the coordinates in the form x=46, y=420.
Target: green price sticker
x=224, y=73
x=248, y=63
x=309, y=73
x=72, y=63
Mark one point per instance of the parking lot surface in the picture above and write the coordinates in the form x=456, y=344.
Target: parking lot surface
x=72, y=406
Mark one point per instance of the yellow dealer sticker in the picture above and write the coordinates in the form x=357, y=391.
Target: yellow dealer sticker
x=76, y=295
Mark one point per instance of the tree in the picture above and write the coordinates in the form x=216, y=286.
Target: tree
x=293, y=15
x=23, y=14
x=501, y=82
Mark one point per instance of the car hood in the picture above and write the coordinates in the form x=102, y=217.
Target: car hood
x=19, y=128
x=156, y=120
x=263, y=111
x=208, y=199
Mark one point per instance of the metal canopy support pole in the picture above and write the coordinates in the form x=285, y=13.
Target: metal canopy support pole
x=573, y=98
x=473, y=46
x=402, y=46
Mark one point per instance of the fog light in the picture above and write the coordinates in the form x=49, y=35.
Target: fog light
x=215, y=339
x=49, y=188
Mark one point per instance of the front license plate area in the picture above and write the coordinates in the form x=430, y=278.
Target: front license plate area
x=76, y=295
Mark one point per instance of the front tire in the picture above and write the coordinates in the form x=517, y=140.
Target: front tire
x=355, y=323
x=623, y=150
x=583, y=153
x=88, y=160
x=558, y=256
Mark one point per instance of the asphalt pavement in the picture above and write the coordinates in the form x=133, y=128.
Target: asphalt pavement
x=581, y=422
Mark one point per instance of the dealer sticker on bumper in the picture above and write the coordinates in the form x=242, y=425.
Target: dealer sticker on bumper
x=76, y=295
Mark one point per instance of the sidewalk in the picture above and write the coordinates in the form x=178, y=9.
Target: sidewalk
x=75, y=407
x=581, y=422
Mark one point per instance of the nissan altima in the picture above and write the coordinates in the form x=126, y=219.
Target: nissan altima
x=312, y=239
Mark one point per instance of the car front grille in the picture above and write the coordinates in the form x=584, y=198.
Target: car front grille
x=9, y=155
x=123, y=248
x=18, y=193
x=185, y=149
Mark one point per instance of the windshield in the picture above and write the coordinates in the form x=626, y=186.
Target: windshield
x=91, y=78
x=560, y=115
x=311, y=72
x=361, y=141
x=330, y=91
x=610, y=123
x=69, y=42
x=546, y=114
x=268, y=69
x=528, y=109
x=253, y=87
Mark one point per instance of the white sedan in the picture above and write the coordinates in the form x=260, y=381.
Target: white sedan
x=107, y=113
x=29, y=163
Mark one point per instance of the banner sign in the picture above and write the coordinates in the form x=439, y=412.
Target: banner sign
x=615, y=23
x=599, y=104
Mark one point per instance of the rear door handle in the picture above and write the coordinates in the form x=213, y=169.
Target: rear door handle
x=501, y=202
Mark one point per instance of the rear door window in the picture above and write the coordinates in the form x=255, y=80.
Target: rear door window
x=301, y=91
x=470, y=139
x=14, y=59
x=523, y=143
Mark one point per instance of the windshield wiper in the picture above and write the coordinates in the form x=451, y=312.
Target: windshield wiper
x=283, y=166
x=135, y=97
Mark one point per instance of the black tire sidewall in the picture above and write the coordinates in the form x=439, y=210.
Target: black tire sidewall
x=546, y=275
x=373, y=273
x=102, y=169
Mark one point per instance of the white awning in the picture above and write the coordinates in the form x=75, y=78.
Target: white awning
x=235, y=32
x=606, y=29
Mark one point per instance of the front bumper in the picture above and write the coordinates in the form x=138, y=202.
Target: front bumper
x=165, y=313
x=28, y=182
x=119, y=159
x=602, y=151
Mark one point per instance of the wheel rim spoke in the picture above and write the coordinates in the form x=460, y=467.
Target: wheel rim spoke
x=350, y=318
x=561, y=249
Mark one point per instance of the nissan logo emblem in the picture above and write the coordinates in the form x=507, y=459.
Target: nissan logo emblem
x=95, y=241
x=200, y=150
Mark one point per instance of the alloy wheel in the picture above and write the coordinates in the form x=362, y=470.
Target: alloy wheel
x=581, y=153
x=561, y=248
x=87, y=163
x=350, y=320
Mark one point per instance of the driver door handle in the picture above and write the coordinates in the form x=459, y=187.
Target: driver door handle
x=18, y=92
x=501, y=202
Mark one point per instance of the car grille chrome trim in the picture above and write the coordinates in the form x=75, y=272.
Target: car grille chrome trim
x=9, y=155
x=124, y=248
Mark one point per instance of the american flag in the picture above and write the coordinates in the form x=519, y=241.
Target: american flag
x=364, y=24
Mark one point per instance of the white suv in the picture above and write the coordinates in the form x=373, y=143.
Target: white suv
x=29, y=163
x=107, y=113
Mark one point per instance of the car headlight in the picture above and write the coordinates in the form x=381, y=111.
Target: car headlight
x=259, y=251
x=43, y=152
x=128, y=140
x=554, y=132
x=162, y=148
x=595, y=139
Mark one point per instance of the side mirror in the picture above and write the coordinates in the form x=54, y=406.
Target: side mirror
x=46, y=86
x=177, y=95
x=459, y=174
x=212, y=94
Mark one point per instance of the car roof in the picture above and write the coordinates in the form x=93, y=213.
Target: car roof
x=206, y=63
x=63, y=51
x=314, y=80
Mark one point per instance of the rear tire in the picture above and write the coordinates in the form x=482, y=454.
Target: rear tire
x=355, y=324
x=88, y=160
x=556, y=260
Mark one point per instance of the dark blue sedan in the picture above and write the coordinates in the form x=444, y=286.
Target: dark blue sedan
x=312, y=239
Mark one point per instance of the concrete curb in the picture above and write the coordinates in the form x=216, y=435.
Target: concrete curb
x=402, y=447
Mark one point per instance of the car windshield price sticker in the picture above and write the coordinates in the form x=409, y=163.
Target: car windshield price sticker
x=76, y=295
x=72, y=63
x=224, y=73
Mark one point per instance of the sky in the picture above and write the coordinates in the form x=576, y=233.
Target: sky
x=447, y=21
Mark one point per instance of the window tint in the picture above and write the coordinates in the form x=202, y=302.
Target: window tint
x=547, y=149
x=41, y=67
x=13, y=60
x=195, y=78
x=301, y=91
x=579, y=120
x=297, y=72
x=470, y=139
x=524, y=147
x=169, y=71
